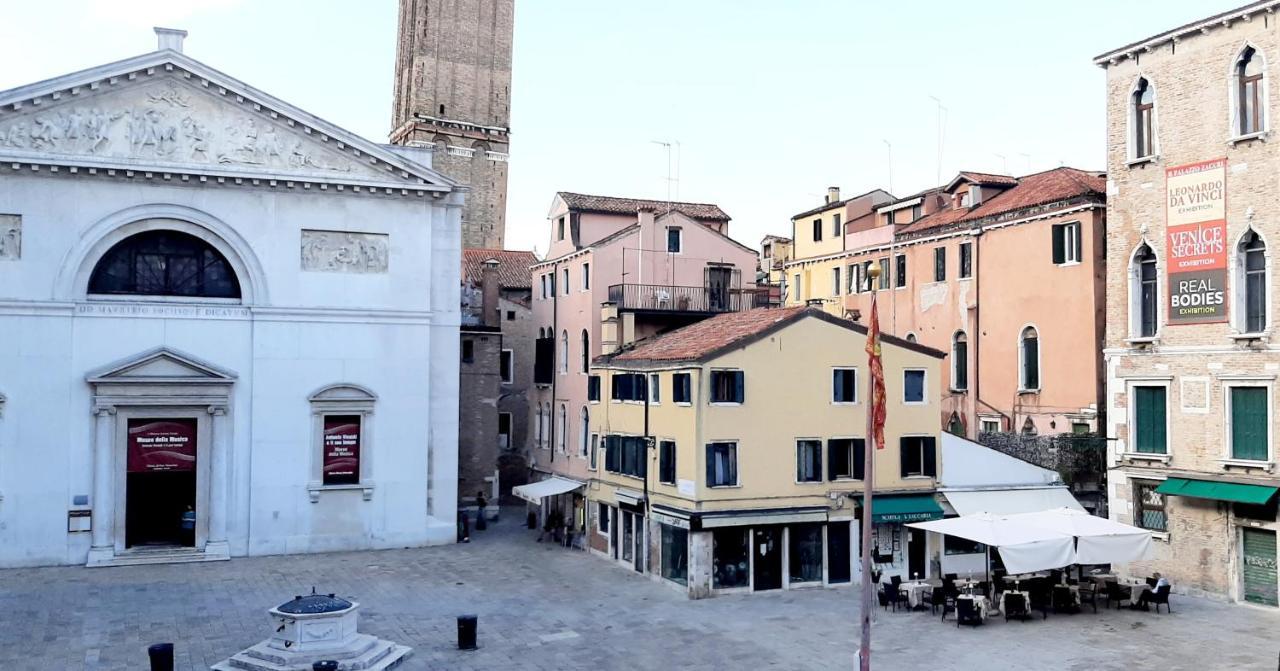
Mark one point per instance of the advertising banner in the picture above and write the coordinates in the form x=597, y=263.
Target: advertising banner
x=1196, y=226
x=341, y=449
x=157, y=445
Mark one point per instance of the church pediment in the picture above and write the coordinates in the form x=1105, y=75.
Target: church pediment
x=162, y=365
x=178, y=115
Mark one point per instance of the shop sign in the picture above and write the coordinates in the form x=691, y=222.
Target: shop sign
x=161, y=445
x=341, y=449
x=669, y=520
x=1196, y=230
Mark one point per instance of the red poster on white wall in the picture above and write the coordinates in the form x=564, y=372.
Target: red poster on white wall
x=157, y=445
x=341, y=449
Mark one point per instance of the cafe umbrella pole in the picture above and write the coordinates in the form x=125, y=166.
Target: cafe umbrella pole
x=868, y=471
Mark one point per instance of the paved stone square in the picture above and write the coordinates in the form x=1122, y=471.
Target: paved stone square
x=542, y=607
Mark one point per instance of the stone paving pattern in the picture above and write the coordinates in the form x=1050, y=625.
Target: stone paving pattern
x=545, y=608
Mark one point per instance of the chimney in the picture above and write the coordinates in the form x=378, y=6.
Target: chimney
x=645, y=214
x=833, y=194
x=489, y=292
x=169, y=38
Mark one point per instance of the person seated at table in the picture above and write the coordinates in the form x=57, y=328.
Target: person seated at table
x=1151, y=589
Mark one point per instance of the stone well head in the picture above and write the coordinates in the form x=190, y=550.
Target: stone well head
x=313, y=623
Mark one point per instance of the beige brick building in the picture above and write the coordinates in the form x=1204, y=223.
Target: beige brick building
x=1194, y=210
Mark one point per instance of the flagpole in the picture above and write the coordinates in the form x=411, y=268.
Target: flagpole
x=868, y=479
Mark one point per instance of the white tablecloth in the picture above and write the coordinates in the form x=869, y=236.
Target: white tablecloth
x=980, y=602
x=1026, y=600
x=915, y=592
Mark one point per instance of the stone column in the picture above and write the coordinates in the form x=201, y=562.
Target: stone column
x=216, y=542
x=102, y=549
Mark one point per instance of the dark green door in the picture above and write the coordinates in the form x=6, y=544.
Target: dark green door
x=1260, y=566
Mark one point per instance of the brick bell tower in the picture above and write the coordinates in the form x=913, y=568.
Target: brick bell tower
x=453, y=94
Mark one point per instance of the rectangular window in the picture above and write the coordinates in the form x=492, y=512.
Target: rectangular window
x=543, y=280
x=565, y=279
x=913, y=386
x=900, y=271
x=627, y=387
x=852, y=273
x=1066, y=243
x=806, y=552
x=1148, y=507
x=939, y=264
x=966, y=260
x=1249, y=423
x=722, y=464
x=506, y=366
x=595, y=449
x=560, y=229
x=667, y=462
x=884, y=273
x=593, y=388
x=727, y=386
x=844, y=385
x=655, y=388
x=835, y=225
x=586, y=276
x=552, y=282
x=680, y=388
x=341, y=456
x=919, y=456
x=917, y=211
x=544, y=351
x=675, y=242
x=504, y=430
x=796, y=286
x=511, y=315
x=991, y=426
x=846, y=458
x=468, y=351
x=835, y=281
x=808, y=461
x=602, y=517
x=730, y=557
x=675, y=554
x=960, y=364
x=817, y=230
x=625, y=455
x=866, y=276
x=1149, y=420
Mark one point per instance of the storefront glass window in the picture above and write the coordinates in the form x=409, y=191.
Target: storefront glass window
x=627, y=536
x=806, y=553
x=675, y=554
x=729, y=558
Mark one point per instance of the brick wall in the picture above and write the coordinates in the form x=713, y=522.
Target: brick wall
x=478, y=390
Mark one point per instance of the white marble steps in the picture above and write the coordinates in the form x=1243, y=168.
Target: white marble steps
x=370, y=653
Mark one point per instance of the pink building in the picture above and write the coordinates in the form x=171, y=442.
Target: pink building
x=649, y=266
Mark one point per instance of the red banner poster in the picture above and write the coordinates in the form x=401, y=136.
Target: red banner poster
x=157, y=445
x=1196, y=230
x=341, y=449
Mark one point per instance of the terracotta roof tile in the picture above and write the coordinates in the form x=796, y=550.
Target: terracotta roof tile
x=985, y=178
x=611, y=205
x=702, y=338
x=1031, y=190
x=513, y=266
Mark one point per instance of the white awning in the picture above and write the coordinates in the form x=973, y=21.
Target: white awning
x=1011, y=501
x=1023, y=548
x=1098, y=540
x=535, y=491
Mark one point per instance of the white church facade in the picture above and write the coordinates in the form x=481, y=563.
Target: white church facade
x=227, y=327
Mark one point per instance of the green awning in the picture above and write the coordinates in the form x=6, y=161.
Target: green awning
x=886, y=508
x=1218, y=491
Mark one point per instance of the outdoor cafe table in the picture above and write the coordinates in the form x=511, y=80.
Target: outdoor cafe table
x=980, y=602
x=1026, y=599
x=915, y=591
x=1137, y=587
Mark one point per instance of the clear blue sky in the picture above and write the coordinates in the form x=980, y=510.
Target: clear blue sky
x=771, y=101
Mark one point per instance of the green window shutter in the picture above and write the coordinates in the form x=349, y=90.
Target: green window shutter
x=1059, y=244
x=1249, y=423
x=1150, y=420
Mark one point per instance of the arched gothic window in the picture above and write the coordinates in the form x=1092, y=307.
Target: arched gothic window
x=1029, y=352
x=164, y=263
x=1145, y=291
x=1253, y=271
x=564, y=351
x=584, y=436
x=564, y=431
x=1250, y=100
x=960, y=361
x=1144, y=108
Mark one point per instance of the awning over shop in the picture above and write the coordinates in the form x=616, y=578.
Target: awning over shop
x=1011, y=501
x=1218, y=491
x=534, y=492
x=897, y=508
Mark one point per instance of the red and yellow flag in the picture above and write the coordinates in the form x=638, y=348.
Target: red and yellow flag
x=877, y=376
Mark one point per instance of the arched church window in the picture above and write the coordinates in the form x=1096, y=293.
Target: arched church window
x=164, y=263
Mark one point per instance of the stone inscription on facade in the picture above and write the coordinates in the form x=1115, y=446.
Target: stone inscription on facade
x=342, y=252
x=166, y=121
x=10, y=237
x=161, y=311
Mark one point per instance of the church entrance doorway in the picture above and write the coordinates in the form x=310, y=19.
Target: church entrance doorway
x=160, y=484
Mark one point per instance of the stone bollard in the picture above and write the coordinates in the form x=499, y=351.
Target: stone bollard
x=161, y=656
x=467, y=625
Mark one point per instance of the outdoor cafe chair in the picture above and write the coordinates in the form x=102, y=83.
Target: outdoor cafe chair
x=1115, y=593
x=941, y=598
x=1015, y=606
x=1161, y=596
x=1040, y=598
x=967, y=613
x=1063, y=600
x=1089, y=594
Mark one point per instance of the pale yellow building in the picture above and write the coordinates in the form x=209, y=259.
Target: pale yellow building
x=753, y=463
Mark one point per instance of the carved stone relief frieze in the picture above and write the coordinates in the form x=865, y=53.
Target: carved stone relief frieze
x=169, y=122
x=342, y=252
x=10, y=237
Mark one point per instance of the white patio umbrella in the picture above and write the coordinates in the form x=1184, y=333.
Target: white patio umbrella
x=1098, y=539
x=1023, y=548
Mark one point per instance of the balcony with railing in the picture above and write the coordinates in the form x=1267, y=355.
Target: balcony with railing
x=666, y=298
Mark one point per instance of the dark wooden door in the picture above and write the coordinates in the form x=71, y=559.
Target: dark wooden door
x=767, y=555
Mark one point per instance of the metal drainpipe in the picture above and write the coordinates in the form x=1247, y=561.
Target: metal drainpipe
x=977, y=329
x=555, y=351
x=647, y=443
